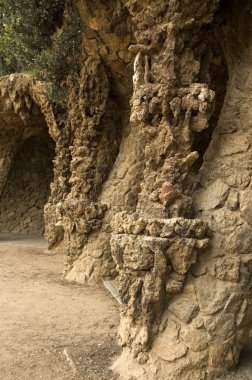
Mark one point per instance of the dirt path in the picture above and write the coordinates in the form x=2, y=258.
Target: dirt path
x=51, y=330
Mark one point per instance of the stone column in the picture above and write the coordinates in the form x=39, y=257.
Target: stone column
x=119, y=193
x=155, y=247
x=193, y=326
x=86, y=150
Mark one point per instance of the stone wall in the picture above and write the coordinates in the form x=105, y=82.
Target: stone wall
x=152, y=176
x=27, y=188
x=129, y=209
x=26, y=154
x=92, y=181
x=193, y=326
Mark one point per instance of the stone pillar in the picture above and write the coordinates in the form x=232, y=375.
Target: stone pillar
x=155, y=247
x=86, y=149
x=118, y=193
x=190, y=321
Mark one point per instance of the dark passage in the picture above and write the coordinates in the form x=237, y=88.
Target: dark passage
x=28, y=186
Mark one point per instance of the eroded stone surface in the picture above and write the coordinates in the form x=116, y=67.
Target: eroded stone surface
x=128, y=200
x=27, y=151
x=197, y=333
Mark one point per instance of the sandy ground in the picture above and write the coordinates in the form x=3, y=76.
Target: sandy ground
x=53, y=330
x=49, y=329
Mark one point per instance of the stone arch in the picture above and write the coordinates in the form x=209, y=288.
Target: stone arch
x=27, y=152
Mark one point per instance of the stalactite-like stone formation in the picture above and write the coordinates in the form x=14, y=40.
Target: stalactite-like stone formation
x=85, y=157
x=155, y=247
x=166, y=57
x=79, y=211
x=127, y=200
x=98, y=105
x=169, y=104
x=181, y=320
x=152, y=257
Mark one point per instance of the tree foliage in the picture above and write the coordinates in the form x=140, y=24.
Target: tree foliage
x=56, y=63
x=26, y=27
x=42, y=36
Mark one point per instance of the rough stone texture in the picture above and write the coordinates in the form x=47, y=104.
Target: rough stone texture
x=112, y=181
x=152, y=256
x=197, y=333
x=152, y=175
x=83, y=159
x=27, y=188
x=26, y=154
x=118, y=33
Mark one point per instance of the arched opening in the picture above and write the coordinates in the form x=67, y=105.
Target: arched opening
x=27, y=183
